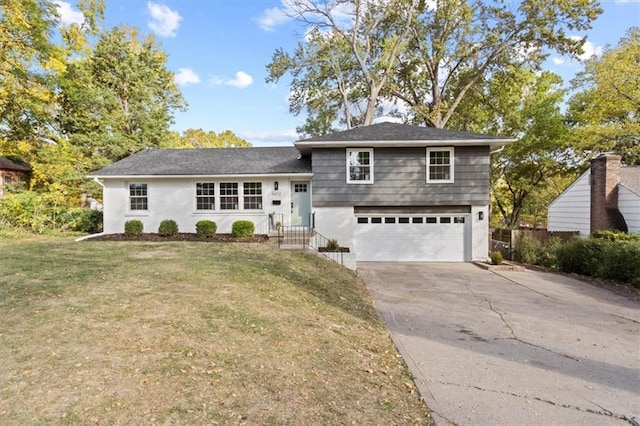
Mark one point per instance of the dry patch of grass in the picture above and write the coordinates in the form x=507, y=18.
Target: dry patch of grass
x=191, y=333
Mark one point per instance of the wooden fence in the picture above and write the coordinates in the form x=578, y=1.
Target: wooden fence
x=506, y=240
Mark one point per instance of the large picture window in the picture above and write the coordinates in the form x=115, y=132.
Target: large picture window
x=359, y=165
x=229, y=196
x=252, y=195
x=138, y=196
x=440, y=165
x=205, y=196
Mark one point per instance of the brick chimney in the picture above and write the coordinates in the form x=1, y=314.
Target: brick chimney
x=605, y=171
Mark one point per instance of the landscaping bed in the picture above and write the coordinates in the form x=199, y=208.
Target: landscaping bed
x=181, y=237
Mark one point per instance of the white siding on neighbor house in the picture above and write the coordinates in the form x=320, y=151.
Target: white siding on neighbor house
x=571, y=210
x=629, y=206
x=176, y=199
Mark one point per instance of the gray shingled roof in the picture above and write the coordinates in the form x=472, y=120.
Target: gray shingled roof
x=399, y=132
x=630, y=178
x=209, y=161
x=7, y=164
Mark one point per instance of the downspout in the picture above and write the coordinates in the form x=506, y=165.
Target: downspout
x=96, y=180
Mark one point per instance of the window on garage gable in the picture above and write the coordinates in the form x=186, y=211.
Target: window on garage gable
x=439, y=165
x=359, y=165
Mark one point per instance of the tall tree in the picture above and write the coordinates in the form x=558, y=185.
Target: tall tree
x=427, y=55
x=30, y=62
x=605, y=110
x=28, y=59
x=121, y=99
x=526, y=105
x=353, y=50
x=198, y=138
x=457, y=45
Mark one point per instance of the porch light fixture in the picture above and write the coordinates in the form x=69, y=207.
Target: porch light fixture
x=480, y=215
x=275, y=186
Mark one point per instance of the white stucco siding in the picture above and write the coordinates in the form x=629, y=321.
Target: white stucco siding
x=571, y=210
x=336, y=223
x=176, y=199
x=479, y=233
x=629, y=206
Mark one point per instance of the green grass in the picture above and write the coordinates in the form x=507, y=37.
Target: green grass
x=191, y=333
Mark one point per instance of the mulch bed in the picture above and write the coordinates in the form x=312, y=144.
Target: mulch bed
x=226, y=238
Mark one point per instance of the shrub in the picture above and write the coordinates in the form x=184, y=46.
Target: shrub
x=84, y=220
x=580, y=255
x=528, y=250
x=133, y=228
x=242, y=228
x=206, y=228
x=168, y=228
x=496, y=257
x=34, y=211
x=332, y=245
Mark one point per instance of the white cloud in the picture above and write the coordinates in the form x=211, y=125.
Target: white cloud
x=241, y=80
x=558, y=61
x=186, y=76
x=271, y=18
x=589, y=49
x=164, y=21
x=284, y=137
x=68, y=15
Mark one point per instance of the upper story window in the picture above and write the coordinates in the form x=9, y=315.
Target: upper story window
x=359, y=165
x=229, y=196
x=440, y=165
x=252, y=195
x=138, y=196
x=205, y=196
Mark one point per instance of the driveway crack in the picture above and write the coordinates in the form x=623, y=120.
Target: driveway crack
x=602, y=412
x=517, y=339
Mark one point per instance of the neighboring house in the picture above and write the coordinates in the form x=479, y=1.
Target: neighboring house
x=12, y=173
x=607, y=196
x=389, y=192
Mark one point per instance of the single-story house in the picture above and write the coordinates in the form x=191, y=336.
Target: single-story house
x=12, y=173
x=389, y=192
x=606, y=196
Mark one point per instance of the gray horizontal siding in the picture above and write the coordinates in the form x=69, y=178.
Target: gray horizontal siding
x=400, y=179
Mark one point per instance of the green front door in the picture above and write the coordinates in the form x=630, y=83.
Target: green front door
x=300, y=203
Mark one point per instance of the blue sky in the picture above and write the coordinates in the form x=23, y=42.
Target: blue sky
x=219, y=49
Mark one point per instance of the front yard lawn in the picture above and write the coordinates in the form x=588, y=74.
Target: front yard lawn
x=191, y=333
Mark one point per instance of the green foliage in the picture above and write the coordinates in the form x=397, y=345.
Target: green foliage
x=606, y=105
x=198, y=138
x=528, y=250
x=615, y=235
x=84, y=220
x=168, y=228
x=332, y=245
x=447, y=54
x=206, y=228
x=37, y=212
x=603, y=258
x=242, y=228
x=121, y=99
x=496, y=257
x=133, y=228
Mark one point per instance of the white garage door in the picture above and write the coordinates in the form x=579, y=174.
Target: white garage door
x=442, y=238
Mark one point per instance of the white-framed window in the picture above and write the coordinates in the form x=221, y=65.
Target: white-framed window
x=229, y=196
x=440, y=165
x=252, y=194
x=359, y=165
x=205, y=196
x=138, y=197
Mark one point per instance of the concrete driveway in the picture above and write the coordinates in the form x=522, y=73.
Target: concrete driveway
x=511, y=348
